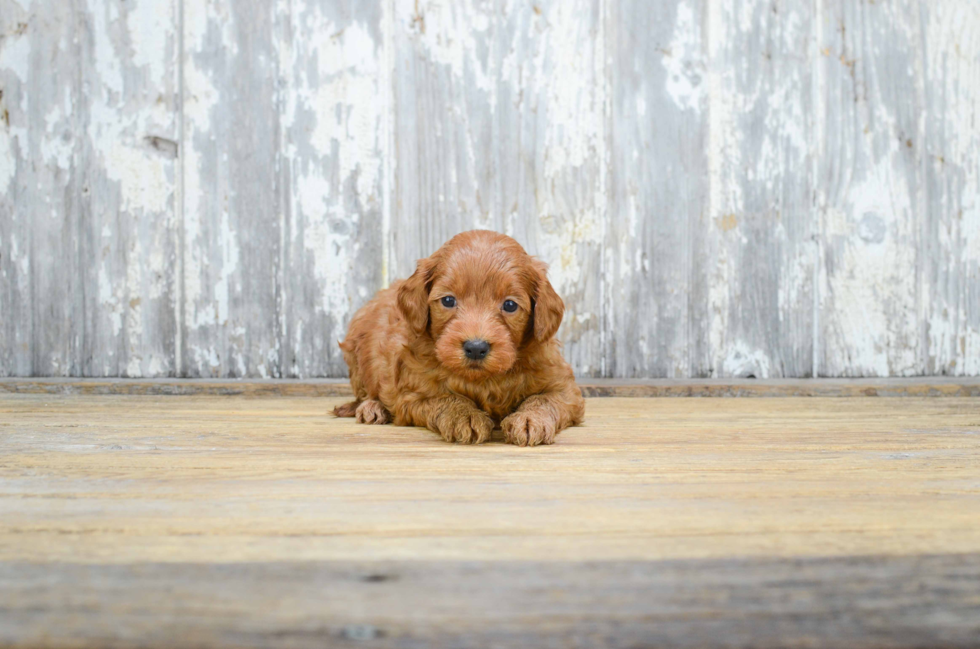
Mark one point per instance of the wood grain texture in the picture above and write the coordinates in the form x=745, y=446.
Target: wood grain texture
x=121, y=479
x=549, y=150
x=950, y=252
x=722, y=188
x=231, y=197
x=247, y=522
x=333, y=70
x=127, y=164
x=444, y=83
x=40, y=292
x=870, y=188
x=657, y=194
x=499, y=124
x=89, y=122
x=16, y=312
x=883, y=602
x=758, y=252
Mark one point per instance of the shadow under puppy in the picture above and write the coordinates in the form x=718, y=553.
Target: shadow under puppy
x=464, y=344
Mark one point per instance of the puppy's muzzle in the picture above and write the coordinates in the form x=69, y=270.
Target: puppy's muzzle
x=476, y=350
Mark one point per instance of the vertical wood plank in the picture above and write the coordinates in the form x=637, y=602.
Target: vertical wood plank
x=657, y=188
x=333, y=70
x=39, y=190
x=444, y=93
x=759, y=254
x=549, y=138
x=499, y=124
x=15, y=189
x=686, y=151
x=127, y=163
x=950, y=256
x=870, y=187
x=231, y=211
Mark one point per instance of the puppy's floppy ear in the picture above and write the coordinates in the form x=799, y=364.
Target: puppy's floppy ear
x=413, y=295
x=548, y=307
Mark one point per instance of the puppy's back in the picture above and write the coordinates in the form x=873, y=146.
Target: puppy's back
x=374, y=334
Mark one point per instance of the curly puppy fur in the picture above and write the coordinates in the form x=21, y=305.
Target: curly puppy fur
x=407, y=361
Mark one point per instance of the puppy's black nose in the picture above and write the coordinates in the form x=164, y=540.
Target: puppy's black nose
x=476, y=349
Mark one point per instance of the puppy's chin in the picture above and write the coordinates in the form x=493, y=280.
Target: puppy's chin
x=471, y=372
x=449, y=351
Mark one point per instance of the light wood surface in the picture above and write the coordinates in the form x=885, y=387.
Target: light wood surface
x=252, y=521
x=934, y=386
x=233, y=479
x=153, y=479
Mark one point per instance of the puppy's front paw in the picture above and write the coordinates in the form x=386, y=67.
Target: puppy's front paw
x=529, y=429
x=464, y=425
x=372, y=412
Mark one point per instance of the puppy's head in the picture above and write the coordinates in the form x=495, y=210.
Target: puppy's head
x=483, y=300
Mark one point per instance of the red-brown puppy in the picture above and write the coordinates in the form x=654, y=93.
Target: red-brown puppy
x=466, y=343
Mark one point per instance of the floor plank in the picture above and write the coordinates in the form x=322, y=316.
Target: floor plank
x=842, y=522
x=828, y=602
x=923, y=386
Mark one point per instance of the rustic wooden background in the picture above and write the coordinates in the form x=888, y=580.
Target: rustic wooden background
x=722, y=187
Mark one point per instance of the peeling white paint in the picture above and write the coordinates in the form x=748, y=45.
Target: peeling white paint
x=450, y=37
x=683, y=61
x=15, y=52
x=872, y=282
x=132, y=304
x=228, y=265
x=131, y=185
x=201, y=97
x=723, y=138
x=152, y=27
x=330, y=262
x=952, y=38
x=109, y=301
x=719, y=304
x=157, y=366
x=561, y=80
x=573, y=125
x=563, y=253
x=106, y=59
x=348, y=116
x=58, y=148
x=159, y=267
x=8, y=165
x=741, y=361
x=338, y=113
x=334, y=122
x=142, y=177
x=14, y=61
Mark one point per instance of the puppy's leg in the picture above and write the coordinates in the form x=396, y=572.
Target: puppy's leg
x=455, y=418
x=349, y=409
x=372, y=412
x=541, y=417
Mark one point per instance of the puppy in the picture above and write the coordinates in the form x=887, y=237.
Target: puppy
x=463, y=345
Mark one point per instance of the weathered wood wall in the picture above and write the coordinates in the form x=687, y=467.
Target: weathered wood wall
x=721, y=187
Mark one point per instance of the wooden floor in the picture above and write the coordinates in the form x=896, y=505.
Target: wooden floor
x=234, y=521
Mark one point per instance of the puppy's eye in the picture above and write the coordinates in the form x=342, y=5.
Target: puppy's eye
x=510, y=306
x=449, y=301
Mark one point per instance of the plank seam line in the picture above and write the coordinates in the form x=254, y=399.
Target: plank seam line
x=387, y=130
x=605, y=116
x=282, y=181
x=923, y=274
x=179, y=286
x=817, y=91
